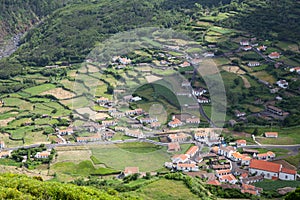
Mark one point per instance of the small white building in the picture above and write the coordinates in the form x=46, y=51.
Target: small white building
x=253, y=64
x=282, y=83
x=187, y=167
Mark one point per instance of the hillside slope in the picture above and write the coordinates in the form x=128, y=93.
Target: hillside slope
x=22, y=187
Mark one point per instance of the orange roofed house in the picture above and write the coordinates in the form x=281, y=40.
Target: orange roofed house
x=43, y=154
x=175, y=122
x=271, y=134
x=274, y=55
x=180, y=137
x=270, y=170
x=192, y=151
x=173, y=146
x=131, y=170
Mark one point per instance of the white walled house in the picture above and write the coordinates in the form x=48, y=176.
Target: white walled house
x=287, y=174
x=270, y=170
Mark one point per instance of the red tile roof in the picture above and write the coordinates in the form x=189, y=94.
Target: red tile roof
x=288, y=171
x=265, y=165
x=271, y=134
x=131, y=170
x=192, y=150
x=228, y=177
x=214, y=182
x=241, y=142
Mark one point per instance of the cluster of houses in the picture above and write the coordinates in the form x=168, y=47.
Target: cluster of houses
x=250, y=167
x=183, y=162
x=7, y=153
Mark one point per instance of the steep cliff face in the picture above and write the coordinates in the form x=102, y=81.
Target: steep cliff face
x=17, y=16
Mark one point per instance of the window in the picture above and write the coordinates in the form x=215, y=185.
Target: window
x=286, y=177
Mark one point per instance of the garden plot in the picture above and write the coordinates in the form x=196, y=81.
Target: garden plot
x=59, y=93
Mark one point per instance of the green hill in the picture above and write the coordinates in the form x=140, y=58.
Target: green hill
x=22, y=187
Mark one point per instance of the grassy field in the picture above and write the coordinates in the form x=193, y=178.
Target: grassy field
x=286, y=135
x=164, y=189
x=39, y=89
x=118, y=158
x=294, y=160
x=274, y=185
x=139, y=147
x=84, y=168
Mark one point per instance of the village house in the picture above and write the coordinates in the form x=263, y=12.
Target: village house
x=199, y=91
x=226, y=151
x=117, y=114
x=131, y=170
x=111, y=110
x=180, y=158
x=135, y=99
x=282, y=84
x=247, y=48
x=5, y=154
x=244, y=43
x=252, y=179
x=124, y=61
x=265, y=156
x=108, y=123
x=220, y=173
x=155, y=125
x=209, y=54
x=236, y=156
x=179, y=137
x=185, y=83
x=241, y=143
x=229, y=178
x=246, y=160
x=251, y=189
x=2, y=144
x=262, y=48
x=175, y=122
x=202, y=99
x=185, y=64
x=42, y=155
x=120, y=128
x=67, y=131
x=173, y=146
x=295, y=69
x=95, y=127
x=271, y=134
x=92, y=138
x=213, y=182
x=137, y=111
x=193, y=120
x=275, y=110
x=201, y=136
x=148, y=120
x=239, y=114
x=253, y=64
x=134, y=133
x=136, y=126
x=274, y=55
x=187, y=167
x=192, y=151
x=102, y=100
x=270, y=170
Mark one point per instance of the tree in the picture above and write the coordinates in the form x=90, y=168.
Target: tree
x=255, y=132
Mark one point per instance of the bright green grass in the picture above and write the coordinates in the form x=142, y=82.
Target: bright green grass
x=7, y=115
x=39, y=89
x=84, y=168
x=138, y=147
x=166, y=189
x=9, y=162
x=118, y=158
